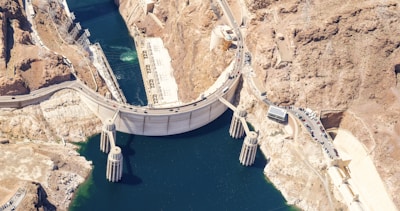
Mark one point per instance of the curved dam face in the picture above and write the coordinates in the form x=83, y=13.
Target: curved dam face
x=162, y=121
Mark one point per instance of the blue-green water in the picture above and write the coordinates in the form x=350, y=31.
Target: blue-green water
x=106, y=27
x=198, y=170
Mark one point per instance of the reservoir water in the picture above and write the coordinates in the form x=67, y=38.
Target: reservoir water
x=198, y=170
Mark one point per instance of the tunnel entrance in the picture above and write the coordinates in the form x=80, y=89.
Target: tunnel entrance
x=331, y=119
x=397, y=71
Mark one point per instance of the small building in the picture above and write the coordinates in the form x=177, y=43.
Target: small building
x=221, y=36
x=147, y=5
x=277, y=114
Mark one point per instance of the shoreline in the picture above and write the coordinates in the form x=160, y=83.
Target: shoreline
x=138, y=164
x=80, y=187
x=57, y=168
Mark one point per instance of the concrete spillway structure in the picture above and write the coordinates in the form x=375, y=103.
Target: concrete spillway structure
x=249, y=149
x=75, y=31
x=236, y=129
x=114, y=164
x=84, y=39
x=105, y=137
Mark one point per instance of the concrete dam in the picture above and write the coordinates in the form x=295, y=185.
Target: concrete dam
x=117, y=115
x=160, y=121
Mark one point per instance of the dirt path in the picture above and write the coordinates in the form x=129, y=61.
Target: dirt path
x=365, y=127
x=295, y=148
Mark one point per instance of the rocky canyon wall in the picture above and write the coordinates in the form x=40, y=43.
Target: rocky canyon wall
x=37, y=146
x=337, y=52
x=29, y=64
x=186, y=32
x=3, y=46
x=338, y=58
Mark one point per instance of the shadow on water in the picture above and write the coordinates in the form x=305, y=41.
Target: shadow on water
x=127, y=150
x=130, y=179
x=100, y=9
x=259, y=162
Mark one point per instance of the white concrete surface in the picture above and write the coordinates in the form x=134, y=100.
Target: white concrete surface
x=364, y=176
x=162, y=71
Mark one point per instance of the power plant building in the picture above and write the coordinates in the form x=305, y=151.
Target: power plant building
x=163, y=87
x=276, y=113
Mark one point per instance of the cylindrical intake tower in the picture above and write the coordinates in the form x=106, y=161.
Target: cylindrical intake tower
x=249, y=149
x=114, y=165
x=107, y=130
x=237, y=130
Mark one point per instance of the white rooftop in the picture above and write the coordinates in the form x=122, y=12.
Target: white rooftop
x=277, y=111
x=163, y=69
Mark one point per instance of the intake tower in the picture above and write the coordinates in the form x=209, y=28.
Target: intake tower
x=249, y=149
x=107, y=145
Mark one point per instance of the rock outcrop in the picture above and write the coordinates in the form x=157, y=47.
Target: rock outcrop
x=27, y=64
x=64, y=115
x=341, y=61
x=186, y=33
x=39, y=148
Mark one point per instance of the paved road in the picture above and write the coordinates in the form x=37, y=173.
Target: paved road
x=313, y=125
x=44, y=93
x=240, y=54
x=315, y=129
x=39, y=95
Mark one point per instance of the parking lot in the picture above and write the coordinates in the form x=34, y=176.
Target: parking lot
x=316, y=130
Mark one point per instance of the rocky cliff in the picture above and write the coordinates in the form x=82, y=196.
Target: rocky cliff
x=338, y=58
x=196, y=68
x=28, y=62
x=342, y=54
x=37, y=147
x=25, y=66
x=3, y=34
